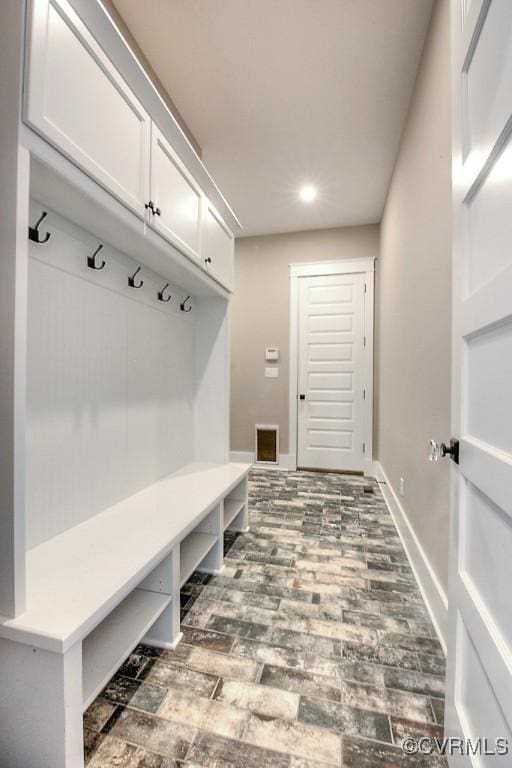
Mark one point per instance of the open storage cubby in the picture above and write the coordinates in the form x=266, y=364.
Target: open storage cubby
x=235, y=508
x=194, y=550
x=113, y=639
x=202, y=548
x=107, y=646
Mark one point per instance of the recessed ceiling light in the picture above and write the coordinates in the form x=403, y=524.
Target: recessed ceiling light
x=307, y=193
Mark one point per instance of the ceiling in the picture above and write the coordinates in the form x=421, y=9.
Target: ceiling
x=281, y=93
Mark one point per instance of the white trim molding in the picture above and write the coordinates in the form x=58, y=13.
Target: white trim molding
x=431, y=589
x=286, y=461
x=338, y=267
x=364, y=266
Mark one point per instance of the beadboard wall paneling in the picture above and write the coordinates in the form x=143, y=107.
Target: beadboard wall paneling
x=110, y=387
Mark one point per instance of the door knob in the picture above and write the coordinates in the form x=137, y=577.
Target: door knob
x=302, y=397
x=438, y=451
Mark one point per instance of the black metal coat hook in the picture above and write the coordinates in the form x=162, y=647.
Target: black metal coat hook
x=161, y=294
x=33, y=232
x=183, y=307
x=91, y=260
x=131, y=280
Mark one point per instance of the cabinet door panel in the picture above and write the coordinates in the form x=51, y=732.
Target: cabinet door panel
x=217, y=247
x=177, y=196
x=78, y=101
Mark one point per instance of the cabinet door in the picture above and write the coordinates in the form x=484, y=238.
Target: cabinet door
x=78, y=101
x=218, y=246
x=175, y=195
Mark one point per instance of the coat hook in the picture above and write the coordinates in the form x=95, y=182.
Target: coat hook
x=33, y=232
x=182, y=305
x=91, y=260
x=161, y=294
x=131, y=280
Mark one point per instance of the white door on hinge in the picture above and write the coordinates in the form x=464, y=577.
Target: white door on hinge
x=479, y=682
x=331, y=372
x=175, y=196
x=77, y=100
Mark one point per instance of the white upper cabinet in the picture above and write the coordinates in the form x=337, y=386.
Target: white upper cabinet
x=175, y=196
x=218, y=245
x=79, y=102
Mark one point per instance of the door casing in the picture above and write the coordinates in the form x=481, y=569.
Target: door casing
x=365, y=266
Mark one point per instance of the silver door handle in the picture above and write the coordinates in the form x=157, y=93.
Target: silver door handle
x=438, y=451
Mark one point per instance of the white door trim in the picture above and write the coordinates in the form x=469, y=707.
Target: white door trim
x=364, y=266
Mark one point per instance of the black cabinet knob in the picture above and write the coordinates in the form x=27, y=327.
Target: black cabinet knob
x=302, y=397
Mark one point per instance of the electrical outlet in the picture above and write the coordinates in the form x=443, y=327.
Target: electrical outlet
x=402, y=487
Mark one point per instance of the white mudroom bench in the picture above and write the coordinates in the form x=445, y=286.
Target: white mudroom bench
x=98, y=589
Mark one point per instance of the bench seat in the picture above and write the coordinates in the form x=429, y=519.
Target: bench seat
x=77, y=578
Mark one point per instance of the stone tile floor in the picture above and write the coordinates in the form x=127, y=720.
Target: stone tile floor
x=312, y=649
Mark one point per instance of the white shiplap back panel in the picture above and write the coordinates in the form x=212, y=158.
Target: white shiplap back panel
x=212, y=322
x=110, y=397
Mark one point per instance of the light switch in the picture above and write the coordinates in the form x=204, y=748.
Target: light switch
x=272, y=354
x=271, y=373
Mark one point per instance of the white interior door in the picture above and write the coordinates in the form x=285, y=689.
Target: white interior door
x=479, y=684
x=331, y=372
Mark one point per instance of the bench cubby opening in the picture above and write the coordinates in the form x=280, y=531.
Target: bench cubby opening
x=194, y=551
x=235, y=513
x=106, y=648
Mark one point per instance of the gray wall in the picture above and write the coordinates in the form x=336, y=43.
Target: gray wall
x=413, y=315
x=261, y=318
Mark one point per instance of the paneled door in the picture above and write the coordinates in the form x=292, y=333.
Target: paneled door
x=79, y=102
x=175, y=196
x=331, y=396
x=479, y=682
x=218, y=246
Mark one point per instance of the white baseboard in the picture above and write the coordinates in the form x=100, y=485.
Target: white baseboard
x=286, y=461
x=433, y=593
